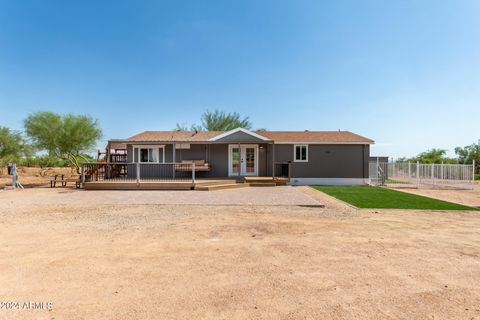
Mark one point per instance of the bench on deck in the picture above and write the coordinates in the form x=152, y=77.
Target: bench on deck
x=200, y=165
x=60, y=178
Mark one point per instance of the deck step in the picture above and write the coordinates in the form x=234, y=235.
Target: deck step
x=221, y=186
x=208, y=183
x=266, y=181
x=262, y=184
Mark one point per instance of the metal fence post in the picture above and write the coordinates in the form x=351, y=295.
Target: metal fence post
x=433, y=174
x=441, y=172
x=138, y=172
x=473, y=174
x=418, y=174
x=409, y=171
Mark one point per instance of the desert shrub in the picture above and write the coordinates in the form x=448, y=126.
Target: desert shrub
x=46, y=161
x=43, y=161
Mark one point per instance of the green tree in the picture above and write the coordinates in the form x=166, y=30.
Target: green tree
x=12, y=146
x=434, y=156
x=65, y=136
x=218, y=121
x=468, y=154
x=430, y=156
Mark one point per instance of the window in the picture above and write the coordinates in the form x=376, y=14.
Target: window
x=301, y=153
x=147, y=154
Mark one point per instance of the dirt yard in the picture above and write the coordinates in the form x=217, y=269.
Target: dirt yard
x=33, y=176
x=137, y=260
x=466, y=197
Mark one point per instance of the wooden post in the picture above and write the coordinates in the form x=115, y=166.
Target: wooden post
x=273, y=161
x=138, y=172
x=193, y=172
x=239, y=160
x=174, y=147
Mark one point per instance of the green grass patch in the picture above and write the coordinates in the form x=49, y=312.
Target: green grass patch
x=381, y=198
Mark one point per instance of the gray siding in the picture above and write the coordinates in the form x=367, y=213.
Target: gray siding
x=327, y=161
x=240, y=137
x=324, y=161
x=215, y=154
x=129, y=153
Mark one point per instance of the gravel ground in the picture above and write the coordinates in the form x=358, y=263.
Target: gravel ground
x=260, y=196
x=139, y=260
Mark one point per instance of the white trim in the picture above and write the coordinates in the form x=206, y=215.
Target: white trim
x=295, y=152
x=242, y=146
x=226, y=134
x=323, y=142
x=182, y=146
x=329, y=181
x=152, y=146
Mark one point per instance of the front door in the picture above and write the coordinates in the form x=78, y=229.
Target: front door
x=242, y=160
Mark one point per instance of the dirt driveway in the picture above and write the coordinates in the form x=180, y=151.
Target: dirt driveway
x=469, y=197
x=152, y=261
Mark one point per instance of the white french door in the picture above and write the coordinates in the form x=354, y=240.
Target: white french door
x=243, y=160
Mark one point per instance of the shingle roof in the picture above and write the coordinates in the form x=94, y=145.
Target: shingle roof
x=117, y=145
x=315, y=136
x=277, y=136
x=178, y=136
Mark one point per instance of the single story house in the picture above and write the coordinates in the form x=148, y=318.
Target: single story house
x=306, y=157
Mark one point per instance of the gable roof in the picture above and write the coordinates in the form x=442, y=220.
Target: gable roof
x=240, y=130
x=321, y=137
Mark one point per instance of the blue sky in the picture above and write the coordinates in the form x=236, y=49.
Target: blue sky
x=404, y=73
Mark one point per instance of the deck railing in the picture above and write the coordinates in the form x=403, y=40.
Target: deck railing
x=282, y=170
x=167, y=172
x=115, y=158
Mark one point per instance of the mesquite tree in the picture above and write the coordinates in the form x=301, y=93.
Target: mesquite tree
x=12, y=146
x=65, y=136
x=218, y=120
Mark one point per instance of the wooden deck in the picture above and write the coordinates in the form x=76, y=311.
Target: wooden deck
x=200, y=184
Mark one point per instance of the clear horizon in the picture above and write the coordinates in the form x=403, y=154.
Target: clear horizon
x=405, y=74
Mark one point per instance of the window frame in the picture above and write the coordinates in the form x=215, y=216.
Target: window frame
x=154, y=147
x=295, y=152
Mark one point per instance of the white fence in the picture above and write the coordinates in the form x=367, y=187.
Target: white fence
x=419, y=175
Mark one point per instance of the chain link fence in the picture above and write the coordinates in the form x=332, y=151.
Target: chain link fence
x=421, y=175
